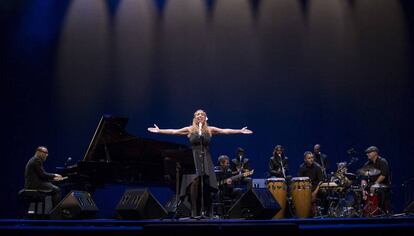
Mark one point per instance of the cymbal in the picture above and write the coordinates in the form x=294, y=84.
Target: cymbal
x=379, y=186
x=350, y=176
x=368, y=171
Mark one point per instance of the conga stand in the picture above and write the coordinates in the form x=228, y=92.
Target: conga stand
x=325, y=176
x=289, y=197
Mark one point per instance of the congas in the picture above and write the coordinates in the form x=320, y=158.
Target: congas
x=278, y=188
x=301, y=192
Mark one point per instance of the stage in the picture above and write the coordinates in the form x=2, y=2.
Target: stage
x=401, y=225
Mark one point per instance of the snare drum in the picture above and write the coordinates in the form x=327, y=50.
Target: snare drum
x=329, y=185
x=301, y=191
x=278, y=188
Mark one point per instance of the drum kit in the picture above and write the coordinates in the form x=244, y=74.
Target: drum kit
x=344, y=195
x=341, y=196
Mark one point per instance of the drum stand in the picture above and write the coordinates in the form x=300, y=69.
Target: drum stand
x=290, y=205
x=373, y=212
x=289, y=196
x=377, y=211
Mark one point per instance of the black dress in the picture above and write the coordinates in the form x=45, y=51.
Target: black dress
x=201, y=152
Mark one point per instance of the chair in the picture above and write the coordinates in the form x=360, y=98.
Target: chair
x=37, y=202
x=221, y=204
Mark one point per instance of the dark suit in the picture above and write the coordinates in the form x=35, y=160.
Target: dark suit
x=37, y=178
x=237, y=165
x=322, y=160
x=275, y=166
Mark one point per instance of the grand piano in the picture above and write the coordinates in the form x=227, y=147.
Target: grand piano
x=116, y=157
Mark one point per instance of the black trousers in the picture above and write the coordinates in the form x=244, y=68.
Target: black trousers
x=55, y=192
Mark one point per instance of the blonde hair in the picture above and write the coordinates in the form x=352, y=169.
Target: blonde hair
x=194, y=126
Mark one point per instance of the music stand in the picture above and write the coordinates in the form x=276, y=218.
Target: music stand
x=178, y=163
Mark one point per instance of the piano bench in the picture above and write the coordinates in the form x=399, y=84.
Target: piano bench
x=37, y=202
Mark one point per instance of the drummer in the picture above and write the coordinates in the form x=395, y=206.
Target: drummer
x=278, y=163
x=376, y=164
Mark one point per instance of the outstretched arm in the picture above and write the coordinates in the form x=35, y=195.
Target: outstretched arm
x=182, y=131
x=244, y=130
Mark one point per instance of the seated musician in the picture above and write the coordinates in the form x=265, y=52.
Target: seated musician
x=278, y=163
x=313, y=170
x=37, y=178
x=239, y=165
x=224, y=174
x=339, y=177
x=375, y=161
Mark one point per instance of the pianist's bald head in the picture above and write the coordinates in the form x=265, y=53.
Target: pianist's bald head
x=42, y=152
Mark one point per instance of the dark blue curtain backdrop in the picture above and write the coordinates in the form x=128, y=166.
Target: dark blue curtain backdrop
x=296, y=72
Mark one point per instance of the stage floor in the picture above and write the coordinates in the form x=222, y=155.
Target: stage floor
x=401, y=225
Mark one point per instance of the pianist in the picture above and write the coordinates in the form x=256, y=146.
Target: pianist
x=37, y=178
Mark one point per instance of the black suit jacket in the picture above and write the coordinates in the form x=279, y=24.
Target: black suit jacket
x=275, y=168
x=235, y=164
x=35, y=175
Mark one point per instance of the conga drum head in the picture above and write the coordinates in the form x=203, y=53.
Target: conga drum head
x=297, y=179
x=274, y=179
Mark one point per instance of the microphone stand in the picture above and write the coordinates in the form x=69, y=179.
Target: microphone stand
x=202, y=157
x=177, y=189
x=325, y=177
x=283, y=168
x=289, y=197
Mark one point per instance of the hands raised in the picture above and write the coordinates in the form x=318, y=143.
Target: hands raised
x=244, y=130
x=154, y=129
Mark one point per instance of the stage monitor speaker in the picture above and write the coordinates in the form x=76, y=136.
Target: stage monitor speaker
x=409, y=208
x=76, y=205
x=184, y=210
x=139, y=204
x=256, y=203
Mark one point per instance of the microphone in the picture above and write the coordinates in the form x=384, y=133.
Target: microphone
x=199, y=128
x=68, y=161
x=351, y=151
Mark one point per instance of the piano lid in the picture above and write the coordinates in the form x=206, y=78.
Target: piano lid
x=111, y=142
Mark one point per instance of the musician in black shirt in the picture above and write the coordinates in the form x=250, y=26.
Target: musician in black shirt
x=321, y=159
x=37, y=178
x=278, y=163
x=377, y=162
x=224, y=180
x=377, y=184
x=312, y=170
x=239, y=165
